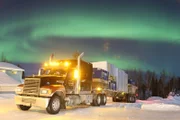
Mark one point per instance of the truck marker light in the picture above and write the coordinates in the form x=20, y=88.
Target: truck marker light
x=45, y=64
x=66, y=64
x=99, y=89
x=54, y=63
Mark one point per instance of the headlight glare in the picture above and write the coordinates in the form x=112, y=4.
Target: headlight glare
x=19, y=90
x=45, y=92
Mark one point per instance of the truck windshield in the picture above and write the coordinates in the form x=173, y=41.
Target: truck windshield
x=58, y=72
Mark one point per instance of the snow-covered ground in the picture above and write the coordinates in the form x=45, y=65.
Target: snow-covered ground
x=154, y=108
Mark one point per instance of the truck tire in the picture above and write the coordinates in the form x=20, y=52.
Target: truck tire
x=63, y=104
x=97, y=100
x=103, y=99
x=134, y=99
x=114, y=99
x=131, y=99
x=54, y=105
x=24, y=108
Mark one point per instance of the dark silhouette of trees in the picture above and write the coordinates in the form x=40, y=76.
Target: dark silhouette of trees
x=154, y=86
x=151, y=83
x=3, y=58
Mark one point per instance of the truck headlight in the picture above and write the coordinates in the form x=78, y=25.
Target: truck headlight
x=19, y=90
x=45, y=92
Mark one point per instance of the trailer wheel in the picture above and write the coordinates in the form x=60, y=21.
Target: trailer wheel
x=97, y=100
x=131, y=99
x=54, y=105
x=114, y=99
x=24, y=108
x=103, y=99
x=134, y=99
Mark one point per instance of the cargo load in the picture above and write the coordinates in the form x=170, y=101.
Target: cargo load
x=123, y=89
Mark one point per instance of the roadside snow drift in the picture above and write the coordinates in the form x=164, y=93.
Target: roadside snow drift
x=160, y=107
x=160, y=104
x=153, y=104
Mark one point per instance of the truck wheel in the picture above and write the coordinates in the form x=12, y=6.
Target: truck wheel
x=131, y=99
x=103, y=99
x=128, y=98
x=54, y=105
x=113, y=99
x=24, y=108
x=97, y=100
x=134, y=99
x=63, y=104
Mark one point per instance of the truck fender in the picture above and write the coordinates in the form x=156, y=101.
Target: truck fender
x=59, y=93
x=62, y=95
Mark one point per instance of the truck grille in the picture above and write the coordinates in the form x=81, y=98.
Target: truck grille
x=31, y=86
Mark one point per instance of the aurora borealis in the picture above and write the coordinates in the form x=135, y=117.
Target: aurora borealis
x=142, y=34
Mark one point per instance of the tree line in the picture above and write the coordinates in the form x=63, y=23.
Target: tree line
x=150, y=83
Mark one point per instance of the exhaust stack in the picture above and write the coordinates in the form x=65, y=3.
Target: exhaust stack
x=78, y=85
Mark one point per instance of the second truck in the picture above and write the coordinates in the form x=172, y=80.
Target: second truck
x=69, y=82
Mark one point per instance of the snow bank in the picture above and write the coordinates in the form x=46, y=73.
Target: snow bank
x=160, y=107
x=154, y=104
x=154, y=98
x=160, y=104
x=130, y=105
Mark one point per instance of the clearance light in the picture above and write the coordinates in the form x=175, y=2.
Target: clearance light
x=66, y=64
x=99, y=89
x=45, y=64
x=54, y=63
x=76, y=74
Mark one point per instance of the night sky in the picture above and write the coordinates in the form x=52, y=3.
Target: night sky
x=141, y=34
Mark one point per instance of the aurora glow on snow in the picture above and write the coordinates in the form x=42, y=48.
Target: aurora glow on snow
x=142, y=34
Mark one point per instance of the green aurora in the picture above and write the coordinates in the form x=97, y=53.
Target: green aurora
x=23, y=35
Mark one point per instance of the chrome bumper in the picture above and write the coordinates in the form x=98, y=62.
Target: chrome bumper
x=31, y=101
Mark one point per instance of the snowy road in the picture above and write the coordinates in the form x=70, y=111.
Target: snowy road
x=112, y=111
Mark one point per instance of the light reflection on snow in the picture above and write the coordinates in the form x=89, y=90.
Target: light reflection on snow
x=161, y=109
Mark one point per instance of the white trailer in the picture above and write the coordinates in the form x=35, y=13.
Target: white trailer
x=123, y=90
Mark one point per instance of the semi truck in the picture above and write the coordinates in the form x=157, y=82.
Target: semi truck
x=70, y=82
x=60, y=83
